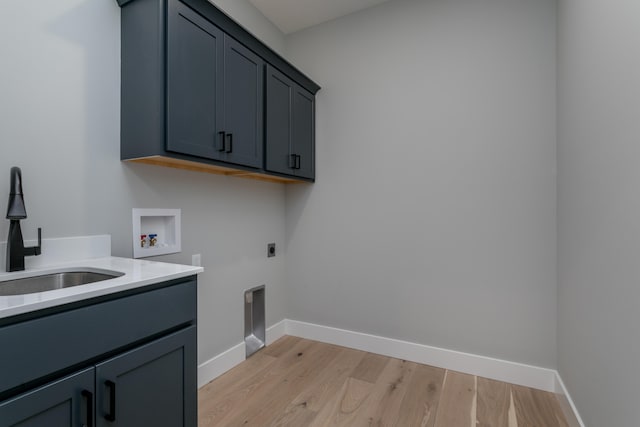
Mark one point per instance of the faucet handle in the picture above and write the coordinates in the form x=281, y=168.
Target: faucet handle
x=38, y=249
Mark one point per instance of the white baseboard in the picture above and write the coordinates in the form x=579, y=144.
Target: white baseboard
x=567, y=404
x=218, y=365
x=488, y=367
x=502, y=370
x=275, y=332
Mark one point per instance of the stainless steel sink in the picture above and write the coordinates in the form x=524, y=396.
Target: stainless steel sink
x=52, y=281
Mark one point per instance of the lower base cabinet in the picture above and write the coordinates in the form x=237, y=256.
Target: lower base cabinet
x=134, y=358
x=147, y=386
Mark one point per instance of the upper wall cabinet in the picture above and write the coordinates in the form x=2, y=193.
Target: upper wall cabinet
x=200, y=93
x=215, y=92
x=290, y=145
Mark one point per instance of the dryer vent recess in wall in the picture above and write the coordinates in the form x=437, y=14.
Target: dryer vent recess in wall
x=254, y=323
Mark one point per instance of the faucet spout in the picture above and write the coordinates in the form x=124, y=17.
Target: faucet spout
x=16, y=211
x=16, y=208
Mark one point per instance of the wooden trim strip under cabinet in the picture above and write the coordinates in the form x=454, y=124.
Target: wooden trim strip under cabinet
x=214, y=169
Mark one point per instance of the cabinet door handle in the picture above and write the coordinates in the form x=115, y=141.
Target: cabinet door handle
x=88, y=396
x=297, y=161
x=111, y=415
x=222, y=146
x=292, y=161
x=230, y=139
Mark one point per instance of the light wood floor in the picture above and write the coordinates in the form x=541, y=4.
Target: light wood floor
x=296, y=382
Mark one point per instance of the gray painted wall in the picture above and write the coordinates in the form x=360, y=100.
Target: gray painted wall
x=60, y=122
x=253, y=21
x=599, y=208
x=434, y=215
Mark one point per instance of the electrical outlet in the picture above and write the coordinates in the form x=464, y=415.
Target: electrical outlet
x=196, y=260
x=271, y=250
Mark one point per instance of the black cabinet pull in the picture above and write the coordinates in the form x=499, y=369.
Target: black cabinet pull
x=230, y=138
x=111, y=415
x=88, y=396
x=294, y=161
x=222, y=146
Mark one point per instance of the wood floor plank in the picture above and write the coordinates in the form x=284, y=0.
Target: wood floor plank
x=493, y=403
x=566, y=409
x=270, y=401
x=557, y=408
x=456, y=402
x=214, y=398
x=246, y=369
x=383, y=405
x=305, y=406
x=513, y=419
x=420, y=403
x=301, y=383
x=370, y=368
x=281, y=346
x=295, y=417
x=327, y=385
x=228, y=403
x=535, y=408
x=342, y=409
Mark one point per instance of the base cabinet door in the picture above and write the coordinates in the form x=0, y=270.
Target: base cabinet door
x=66, y=402
x=152, y=385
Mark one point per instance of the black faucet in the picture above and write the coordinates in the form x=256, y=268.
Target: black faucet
x=15, y=212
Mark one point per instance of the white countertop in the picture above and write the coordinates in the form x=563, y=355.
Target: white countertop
x=137, y=273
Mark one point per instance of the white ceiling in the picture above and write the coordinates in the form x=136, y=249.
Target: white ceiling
x=294, y=15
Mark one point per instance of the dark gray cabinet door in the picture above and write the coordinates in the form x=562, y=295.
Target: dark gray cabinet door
x=290, y=127
x=303, y=132
x=278, y=126
x=194, y=84
x=152, y=385
x=67, y=402
x=243, y=104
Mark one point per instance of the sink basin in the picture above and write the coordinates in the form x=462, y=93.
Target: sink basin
x=52, y=281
